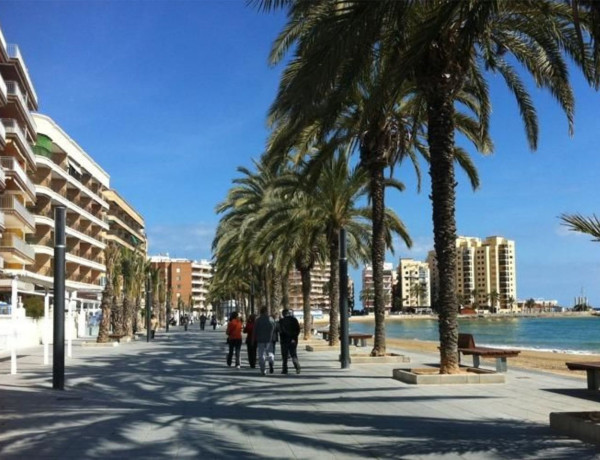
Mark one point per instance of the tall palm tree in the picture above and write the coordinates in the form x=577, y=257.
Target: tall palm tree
x=443, y=47
x=111, y=256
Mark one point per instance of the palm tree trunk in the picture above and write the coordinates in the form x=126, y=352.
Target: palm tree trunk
x=127, y=316
x=378, y=255
x=334, y=292
x=104, y=329
x=117, y=316
x=276, y=284
x=443, y=197
x=306, y=287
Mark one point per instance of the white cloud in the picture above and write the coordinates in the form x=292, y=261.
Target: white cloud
x=192, y=241
x=421, y=246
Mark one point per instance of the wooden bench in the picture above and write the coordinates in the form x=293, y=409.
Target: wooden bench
x=116, y=337
x=355, y=338
x=466, y=346
x=593, y=373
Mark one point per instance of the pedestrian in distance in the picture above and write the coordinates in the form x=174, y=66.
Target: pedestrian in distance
x=202, y=321
x=213, y=322
x=264, y=326
x=185, y=321
x=275, y=339
x=289, y=330
x=250, y=342
x=153, y=325
x=234, y=339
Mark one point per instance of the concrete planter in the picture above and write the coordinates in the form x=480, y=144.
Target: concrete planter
x=581, y=425
x=365, y=358
x=323, y=346
x=431, y=376
x=96, y=344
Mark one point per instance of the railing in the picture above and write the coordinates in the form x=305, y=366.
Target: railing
x=13, y=89
x=12, y=165
x=15, y=53
x=12, y=127
x=10, y=202
x=11, y=241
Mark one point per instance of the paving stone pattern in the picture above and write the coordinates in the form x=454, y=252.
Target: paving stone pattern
x=175, y=398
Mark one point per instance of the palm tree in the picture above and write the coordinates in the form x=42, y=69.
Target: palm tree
x=111, y=256
x=579, y=223
x=419, y=290
x=494, y=297
x=443, y=47
x=366, y=296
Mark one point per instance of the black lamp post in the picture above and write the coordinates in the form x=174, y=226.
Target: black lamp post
x=344, y=348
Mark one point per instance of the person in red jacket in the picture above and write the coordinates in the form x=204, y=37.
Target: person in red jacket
x=234, y=338
x=250, y=341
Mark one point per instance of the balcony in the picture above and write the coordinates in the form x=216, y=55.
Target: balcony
x=14, y=52
x=16, y=214
x=15, y=250
x=3, y=92
x=14, y=92
x=14, y=171
x=14, y=132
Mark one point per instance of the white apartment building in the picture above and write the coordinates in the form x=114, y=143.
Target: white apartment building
x=368, y=287
x=67, y=176
x=201, y=277
x=485, y=269
x=319, y=294
x=414, y=279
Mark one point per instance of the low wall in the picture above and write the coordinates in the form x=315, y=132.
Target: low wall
x=28, y=332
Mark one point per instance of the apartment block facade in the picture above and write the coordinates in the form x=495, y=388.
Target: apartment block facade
x=202, y=272
x=319, y=293
x=368, y=287
x=415, y=283
x=485, y=272
x=127, y=228
x=17, y=135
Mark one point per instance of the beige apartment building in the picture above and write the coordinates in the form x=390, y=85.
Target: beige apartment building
x=17, y=134
x=127, y=228
x=486, y=272
x=67, y=176
x=414, y=280
x=368, y=287
x=319, y=294
x=201, y=277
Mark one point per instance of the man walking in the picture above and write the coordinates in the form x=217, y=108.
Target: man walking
x=263, y=334
x=289, y=329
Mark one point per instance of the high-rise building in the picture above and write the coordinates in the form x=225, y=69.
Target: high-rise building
x=201, y=276
x=485, y=272
x=368, y=287
x=319, y=293
x=17, y=134
x=126, y=225
x=414, y=281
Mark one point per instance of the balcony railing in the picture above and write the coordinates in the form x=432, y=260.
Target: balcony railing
x=10, y=203
x=13, y=89
x=15, y=53
x=12, y=166
x=10, y=241
x=12, y=127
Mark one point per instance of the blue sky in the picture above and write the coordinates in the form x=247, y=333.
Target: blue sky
x=171, y=96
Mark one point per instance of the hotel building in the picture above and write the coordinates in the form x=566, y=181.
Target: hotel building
x=17, y=134
x=319, y=294
x=412, y=273
x=485, y=267
x=126, y=225
x=389, y=279
x=67, y=176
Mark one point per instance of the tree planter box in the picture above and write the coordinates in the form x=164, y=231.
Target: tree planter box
x=96, y=344
x=581, y=425
x=365, y=358
x=431, y=376
x=323, y=346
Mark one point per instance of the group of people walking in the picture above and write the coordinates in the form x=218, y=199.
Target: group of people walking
x=262, y=334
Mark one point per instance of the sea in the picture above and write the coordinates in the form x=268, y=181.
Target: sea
x=578, y=335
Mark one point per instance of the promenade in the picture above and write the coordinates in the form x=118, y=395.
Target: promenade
x=176, y=398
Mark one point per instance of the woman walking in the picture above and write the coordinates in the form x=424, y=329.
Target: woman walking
x=250, y=340
x=234, y=338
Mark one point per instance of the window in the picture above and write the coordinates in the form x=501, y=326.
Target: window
x=178, y=270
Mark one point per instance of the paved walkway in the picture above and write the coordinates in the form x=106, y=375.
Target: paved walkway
x=175, y=398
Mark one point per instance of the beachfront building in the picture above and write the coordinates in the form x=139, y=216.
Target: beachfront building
x=368, y=287
x=319, y=292
x=17, y=135
x=485, y=273
x=126, y=225
x=67, y=176
x=414, y=282
x=201, y=277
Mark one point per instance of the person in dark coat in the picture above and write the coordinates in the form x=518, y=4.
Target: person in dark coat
x=264, y=326
x=250, y=342
x=289, y=330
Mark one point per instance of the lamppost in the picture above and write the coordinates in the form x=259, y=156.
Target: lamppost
x=344, y=347
x=148, y=306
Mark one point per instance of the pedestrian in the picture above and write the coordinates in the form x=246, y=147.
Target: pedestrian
x=289, y=329
x=202, y=321
x=153, y=325
x=234, y=338
x=185, y=321
x=250, y=342
x=213, y=322
x=275, y=338
x=263, y=333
